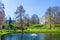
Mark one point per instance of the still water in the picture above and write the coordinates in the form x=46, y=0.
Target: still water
x=31, y=37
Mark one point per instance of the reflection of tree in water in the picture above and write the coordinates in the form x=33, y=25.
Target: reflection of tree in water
x=3, y=37
x=29, y=37
x=56, y=36
x=53, y=37
x=22, y=36
x=49, y=37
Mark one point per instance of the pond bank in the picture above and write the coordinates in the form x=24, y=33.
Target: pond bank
x=31, y=36
x=2, y=32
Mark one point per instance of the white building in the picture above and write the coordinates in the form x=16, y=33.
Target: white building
x=42, y=20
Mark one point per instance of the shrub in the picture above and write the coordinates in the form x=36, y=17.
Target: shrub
x=3, y=27
x=11, y=26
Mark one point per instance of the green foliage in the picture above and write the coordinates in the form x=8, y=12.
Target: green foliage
x=44, y=27
x=30, y=31
x=10, y=20
x=10, y=26
x=3, y=27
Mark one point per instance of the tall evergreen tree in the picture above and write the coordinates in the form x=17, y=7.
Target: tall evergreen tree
x=10, y=21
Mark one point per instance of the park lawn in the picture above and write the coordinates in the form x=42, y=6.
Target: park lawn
x=3, y=32
x=42, y=31
x=34, y=28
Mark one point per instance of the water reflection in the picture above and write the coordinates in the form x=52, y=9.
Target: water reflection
x=52, y=37
x=31, y=37
x=24, y=37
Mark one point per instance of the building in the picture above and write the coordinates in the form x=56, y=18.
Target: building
x=42, y=20
x=35, y=19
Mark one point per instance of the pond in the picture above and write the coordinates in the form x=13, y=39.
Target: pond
x=31, y=37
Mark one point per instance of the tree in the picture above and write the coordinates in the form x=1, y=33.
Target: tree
x=20, y=11
x=2, y=14
x=10, y=21
x=26, y=20
x=56, y=13
x=52, y=16
x=49, y=17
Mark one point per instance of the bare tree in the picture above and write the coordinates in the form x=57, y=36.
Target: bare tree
x=20, y=11
x=49, y=17
x=52, y=16
x=26, y=19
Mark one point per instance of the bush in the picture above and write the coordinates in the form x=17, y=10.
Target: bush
x=3, y=27
x=11, y=26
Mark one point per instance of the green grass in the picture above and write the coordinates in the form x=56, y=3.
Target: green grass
x=43, y=31
x=3, y=32
x=57, y=25
x=34, y=28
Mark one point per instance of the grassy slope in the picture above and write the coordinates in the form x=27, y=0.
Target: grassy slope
x=31, y=29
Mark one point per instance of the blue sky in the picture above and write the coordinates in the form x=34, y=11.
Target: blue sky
x=38, y=7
